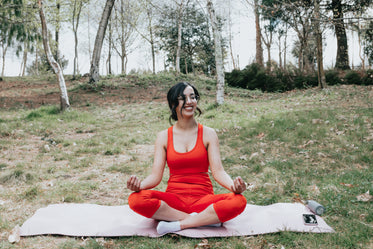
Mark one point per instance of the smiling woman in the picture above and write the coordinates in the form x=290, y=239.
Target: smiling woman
x=189, y=149
x=176, y=99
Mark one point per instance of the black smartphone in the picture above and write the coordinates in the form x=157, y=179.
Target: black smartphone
x=309, y=219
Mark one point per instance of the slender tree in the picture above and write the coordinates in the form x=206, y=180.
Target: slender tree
x=54, y=64
x=181, y=7
x=94, y=71
x=125, y=18
x=318, y=34
x=258, y=32
x=77, y=6
x=17, y=27
x=197, y=50
x=218, y=55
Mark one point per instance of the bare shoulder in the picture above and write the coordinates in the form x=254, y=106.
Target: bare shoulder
x=209, y=134
x=162, y=137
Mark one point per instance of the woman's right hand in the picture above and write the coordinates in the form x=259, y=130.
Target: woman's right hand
x=134, y=183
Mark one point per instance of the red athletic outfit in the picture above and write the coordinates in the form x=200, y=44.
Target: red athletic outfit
x=189, y=186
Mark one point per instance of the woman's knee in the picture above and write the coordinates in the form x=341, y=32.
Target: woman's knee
x=241, y=202
x=134, y=200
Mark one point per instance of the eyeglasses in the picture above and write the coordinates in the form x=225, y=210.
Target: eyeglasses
x=191, y=97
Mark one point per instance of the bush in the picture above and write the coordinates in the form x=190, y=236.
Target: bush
x=305, y=81
x=254, y=77
x=332, y=77
x=352, y=78
x=367, y=80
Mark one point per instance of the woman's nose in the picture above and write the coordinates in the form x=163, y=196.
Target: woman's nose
x=188, y=99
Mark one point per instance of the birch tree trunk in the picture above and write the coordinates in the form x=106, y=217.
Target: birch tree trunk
x=218, y=55
x=24, y=59
x=77, y=8
x=258, y=37
x=54, y=64
x=94, y=71
x=5, y=48
x=320, y=64
x=179, y=33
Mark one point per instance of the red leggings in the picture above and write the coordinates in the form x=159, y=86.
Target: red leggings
x=226, y=206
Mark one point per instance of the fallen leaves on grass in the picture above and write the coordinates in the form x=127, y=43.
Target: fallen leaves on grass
x=15, y=235
x=349, y=185
x=255, y=154
x=203, y=245
x=365, y=197
x=261, y=135
x=297, y=198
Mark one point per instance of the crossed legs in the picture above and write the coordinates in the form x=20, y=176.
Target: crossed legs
x=163, y=206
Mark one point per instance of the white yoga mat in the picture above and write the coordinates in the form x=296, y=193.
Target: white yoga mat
x=112, y=221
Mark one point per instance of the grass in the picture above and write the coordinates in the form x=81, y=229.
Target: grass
x=309, y=144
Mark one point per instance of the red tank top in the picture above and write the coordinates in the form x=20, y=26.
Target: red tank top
x=189, y=170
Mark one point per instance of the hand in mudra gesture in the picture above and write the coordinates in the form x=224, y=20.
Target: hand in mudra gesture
x=239, y=185
x=134, y=183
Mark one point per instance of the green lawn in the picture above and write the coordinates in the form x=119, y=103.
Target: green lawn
x=304, y=144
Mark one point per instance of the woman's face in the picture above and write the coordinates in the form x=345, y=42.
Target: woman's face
x=187, y=103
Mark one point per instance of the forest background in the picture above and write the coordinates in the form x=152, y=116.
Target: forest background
x=276, y=34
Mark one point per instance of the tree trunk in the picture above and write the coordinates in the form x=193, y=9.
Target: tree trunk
x=94, y=71
x=320, y=64
x=218, y=55
x=110, y=48
x=24, y=60
x=37, y=61
x=259, y=49
x=280, y=52
x=151, y=40
x=57, y=31
x=342, y=61
x=268, y=44
x=5, y=48
x=75, y=23
x=179, y=33
x=285, y=45
x=235, y=66
x=54, y=64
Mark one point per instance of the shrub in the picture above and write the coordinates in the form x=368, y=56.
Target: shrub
x=332, y=77
x=352, y=78
x=302, y=81
x=254, y=77
x=368, y=78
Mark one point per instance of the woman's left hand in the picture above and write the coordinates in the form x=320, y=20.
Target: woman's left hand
x=239, y=185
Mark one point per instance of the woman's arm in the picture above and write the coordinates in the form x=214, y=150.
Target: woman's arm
x=155, y=177
x=220, y=175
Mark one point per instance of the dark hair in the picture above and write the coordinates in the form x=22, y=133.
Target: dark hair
x=174, y=93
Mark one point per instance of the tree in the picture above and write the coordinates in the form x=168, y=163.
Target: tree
x=148, y=8
x=339, y=8
x=197, y=50
x=298, y=14
x=180, y=7
x=125, y=18
x=318, y=34
x=218, y=55
x=77, y=6
x=368, y=42
x=54, y=64
x=16, y=27
x=342, y=61
x=94, y=71
x=258, y=33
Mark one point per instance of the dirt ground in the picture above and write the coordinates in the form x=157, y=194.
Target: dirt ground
x=23, y=93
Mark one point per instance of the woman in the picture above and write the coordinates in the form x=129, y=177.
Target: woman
x=189, y=150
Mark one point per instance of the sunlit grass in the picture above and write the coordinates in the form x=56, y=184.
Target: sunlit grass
x=311, y=144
